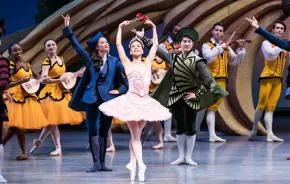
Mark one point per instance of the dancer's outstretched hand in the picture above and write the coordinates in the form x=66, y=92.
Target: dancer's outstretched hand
x=66, y=20
x=140, y=34
x=253, y=22
x=125, y=23
x=150, y=23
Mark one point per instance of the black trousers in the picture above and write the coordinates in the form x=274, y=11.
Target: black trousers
x=185, y=118
x=97, y=122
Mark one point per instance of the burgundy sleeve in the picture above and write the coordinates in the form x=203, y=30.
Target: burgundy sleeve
x=4, y=74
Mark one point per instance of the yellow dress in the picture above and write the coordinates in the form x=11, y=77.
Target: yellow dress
x=25, y=111
x=54, y=98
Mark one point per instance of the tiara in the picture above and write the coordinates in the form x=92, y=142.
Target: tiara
x=136, y=39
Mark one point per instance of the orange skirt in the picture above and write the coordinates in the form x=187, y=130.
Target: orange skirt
x=27, y=115
x=58, y=112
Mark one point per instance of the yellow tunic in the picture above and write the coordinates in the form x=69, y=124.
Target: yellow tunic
x=54, y=98
x=25, y=111
x=270, y=82
x=219, y=70
x=274, y=68
x=218, y=67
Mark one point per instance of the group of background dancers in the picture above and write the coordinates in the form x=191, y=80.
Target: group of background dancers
x=111, y=87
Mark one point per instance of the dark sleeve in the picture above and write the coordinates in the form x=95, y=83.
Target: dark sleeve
x=283, y=44
x=121, y=78
x=67, y=32
x=205, y=76
x=4, y=74
x=288, y=77
x=160, y=53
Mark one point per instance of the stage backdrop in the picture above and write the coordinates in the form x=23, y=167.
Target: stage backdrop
x=236, y=113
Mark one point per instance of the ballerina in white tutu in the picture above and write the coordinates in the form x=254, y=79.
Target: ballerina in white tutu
x=136, y=106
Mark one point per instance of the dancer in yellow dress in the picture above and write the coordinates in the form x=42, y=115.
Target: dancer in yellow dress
x=24, y=111
x=54, y=98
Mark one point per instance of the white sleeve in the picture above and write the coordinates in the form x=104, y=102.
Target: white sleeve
x=163, y=47
x=236, y=58
x=270, y=52
x=210, y=53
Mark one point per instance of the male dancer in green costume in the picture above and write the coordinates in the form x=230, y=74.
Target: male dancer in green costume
x=186, y=88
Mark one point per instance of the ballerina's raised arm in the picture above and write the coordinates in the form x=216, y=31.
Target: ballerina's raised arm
x=122, y=55
x=153, y=49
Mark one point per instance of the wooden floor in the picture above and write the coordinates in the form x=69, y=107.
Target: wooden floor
x=237, y=161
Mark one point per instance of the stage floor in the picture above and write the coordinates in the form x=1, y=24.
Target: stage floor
x=237, y=161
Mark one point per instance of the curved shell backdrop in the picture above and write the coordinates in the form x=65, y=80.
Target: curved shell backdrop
x=235, y=115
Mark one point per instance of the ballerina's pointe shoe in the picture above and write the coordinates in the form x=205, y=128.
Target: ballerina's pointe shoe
x=132, y=169
x=2, y=179
x=111, y=149
x=37, y=143
x=57, y=152
x=178, y=161
x=141, y=173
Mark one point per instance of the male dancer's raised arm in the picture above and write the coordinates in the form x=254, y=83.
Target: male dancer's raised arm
x=283, y=44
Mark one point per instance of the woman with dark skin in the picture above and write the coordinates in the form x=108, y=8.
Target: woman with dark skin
x=24, y=112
